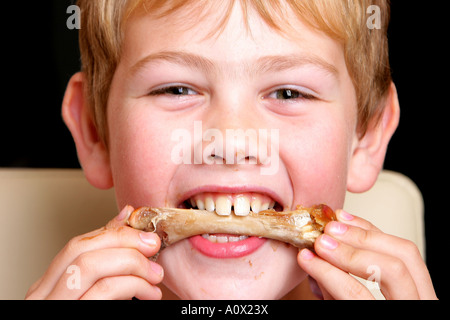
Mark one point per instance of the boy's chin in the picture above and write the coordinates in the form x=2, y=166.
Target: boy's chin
x=267, y=273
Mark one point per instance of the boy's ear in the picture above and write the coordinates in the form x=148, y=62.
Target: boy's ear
x=92, y=152
x=368, y=152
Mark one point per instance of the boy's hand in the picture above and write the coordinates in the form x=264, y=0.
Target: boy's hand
x=353, y=245
x=108, y=263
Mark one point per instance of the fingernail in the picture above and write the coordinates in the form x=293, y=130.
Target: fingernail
x=125, y=213
x=328, y=242
x=157, y=268
x=306, y=254
x=337, y=228
x=346, y=216
x=148, y=238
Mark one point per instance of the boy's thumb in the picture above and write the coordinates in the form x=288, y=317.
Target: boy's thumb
x=121, y=218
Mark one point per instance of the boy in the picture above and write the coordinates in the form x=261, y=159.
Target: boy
x=310, y=79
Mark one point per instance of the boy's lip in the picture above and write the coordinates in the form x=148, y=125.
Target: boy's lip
x=226, y=250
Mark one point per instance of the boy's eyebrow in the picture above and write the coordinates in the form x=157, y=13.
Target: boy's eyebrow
x=286, y=62
x=266, y=64
x=177, y=57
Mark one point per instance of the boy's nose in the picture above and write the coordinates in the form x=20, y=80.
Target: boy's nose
x=239, y=147
x=232, y=134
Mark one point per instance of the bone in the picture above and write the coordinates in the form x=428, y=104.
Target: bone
x=299, y=228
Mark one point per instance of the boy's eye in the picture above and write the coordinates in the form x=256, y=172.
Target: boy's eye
x=173, y=90
x=289, y=94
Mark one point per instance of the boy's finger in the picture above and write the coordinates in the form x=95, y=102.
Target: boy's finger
x=148, y=244
x=121, y=218
x=332, y=281
x=356, y=221
x=122, y=288
x=87, y=269
x=402, y=249
x=391, y=272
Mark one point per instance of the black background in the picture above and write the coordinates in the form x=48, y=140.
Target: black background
x=39, y=54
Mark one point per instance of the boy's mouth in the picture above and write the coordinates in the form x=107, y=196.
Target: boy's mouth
x=223, y=204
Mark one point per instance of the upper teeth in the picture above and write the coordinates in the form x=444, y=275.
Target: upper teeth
x=241, y=203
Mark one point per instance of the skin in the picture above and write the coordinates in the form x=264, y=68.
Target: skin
x=321, y=157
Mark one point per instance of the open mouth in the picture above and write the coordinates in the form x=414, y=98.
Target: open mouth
x=232, y=224
x=223, y=204
x=222, y=245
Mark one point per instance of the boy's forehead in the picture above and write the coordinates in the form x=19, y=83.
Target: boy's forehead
x=186, y=14
x=149, y=38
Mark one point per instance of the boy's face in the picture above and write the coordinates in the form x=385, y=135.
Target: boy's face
x=171, y=76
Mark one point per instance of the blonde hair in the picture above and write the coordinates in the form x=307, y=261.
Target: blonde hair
x=365, y=49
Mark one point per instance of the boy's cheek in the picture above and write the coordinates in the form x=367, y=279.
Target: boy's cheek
x=317, y=164
x=141, y=165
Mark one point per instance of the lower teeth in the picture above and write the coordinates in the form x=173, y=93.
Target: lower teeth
x=223, y=238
